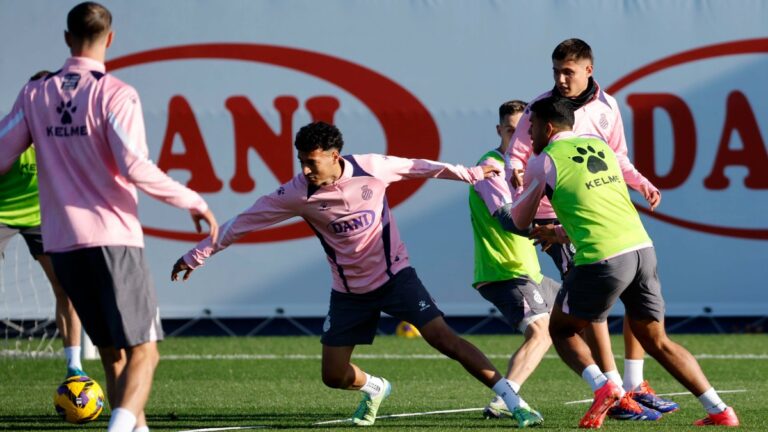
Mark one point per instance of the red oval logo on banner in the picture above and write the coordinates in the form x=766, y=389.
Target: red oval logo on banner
x=408, y=127
x=725, y=49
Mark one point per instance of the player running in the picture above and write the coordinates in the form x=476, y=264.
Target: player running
x=88, y=130
x=597, y=114
x=614, y=258
x=343, y=200
x=507, y=272
x=20, y=214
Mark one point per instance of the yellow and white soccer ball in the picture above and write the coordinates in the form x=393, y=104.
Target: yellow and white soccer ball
x=79, y=399
x=407, y=330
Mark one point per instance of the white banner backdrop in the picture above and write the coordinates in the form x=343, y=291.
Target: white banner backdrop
x=226, y=85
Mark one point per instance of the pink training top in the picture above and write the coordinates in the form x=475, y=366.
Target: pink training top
x=88, y=131
x=351, y=217
x=599, y=118
x=494, y=190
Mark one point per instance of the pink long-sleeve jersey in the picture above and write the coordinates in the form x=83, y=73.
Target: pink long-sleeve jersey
x=350, y=217
x=601, y=118
x=88, y=131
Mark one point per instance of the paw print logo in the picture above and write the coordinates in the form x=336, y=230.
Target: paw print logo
x=66, y=110
x=595, y=160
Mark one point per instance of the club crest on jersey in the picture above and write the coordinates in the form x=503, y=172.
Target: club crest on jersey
x=603, y=121
x=352, y=224
x=367, y=193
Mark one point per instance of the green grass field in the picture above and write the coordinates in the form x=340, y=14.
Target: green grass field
x=274, y=382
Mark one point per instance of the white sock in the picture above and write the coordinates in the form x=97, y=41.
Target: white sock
x=504, y=389
x=712, y=402
x=121, y=420
x=373, y=385
x=616, y=378
x=515, y=386
x=141, y=429
x=594, y=377
x=72, y=353
x=633, y=374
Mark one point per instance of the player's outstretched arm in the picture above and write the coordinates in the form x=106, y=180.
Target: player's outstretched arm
x=392, y=169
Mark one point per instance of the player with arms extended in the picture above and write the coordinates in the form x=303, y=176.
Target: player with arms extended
x=343, y=200
x=88, y=130
x=614, y=259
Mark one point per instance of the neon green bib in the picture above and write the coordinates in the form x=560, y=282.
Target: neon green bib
x=591, y=200
x=19, y=203
x=499, y=254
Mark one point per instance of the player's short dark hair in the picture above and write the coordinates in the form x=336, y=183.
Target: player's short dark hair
x=555, y=110
x=572, y=49
x=511, y=107
x=88, y=21
x=318, y=135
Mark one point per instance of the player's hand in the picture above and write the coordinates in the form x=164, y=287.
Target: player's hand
x=210, y=219
x=179, y=267
x=517, y=177
x=490, y=171
x=544, y=235
x=654, y=199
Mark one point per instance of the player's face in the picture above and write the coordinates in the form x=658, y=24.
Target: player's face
x=539, y=132
x=572, y=76
x=320, y=167
x=507, y=127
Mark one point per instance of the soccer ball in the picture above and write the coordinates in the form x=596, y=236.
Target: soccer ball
x=79, y=399
x=407, y=330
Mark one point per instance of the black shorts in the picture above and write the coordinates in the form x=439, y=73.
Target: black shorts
x=590, y=291
x=561, y=254
x=521, y=300
x=354, y=318
x=112, y=292
x=31, y=235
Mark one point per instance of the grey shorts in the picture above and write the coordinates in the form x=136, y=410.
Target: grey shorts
x=32, y=236
x=521, y=300
x=590, y=291
x=354, y=318
x=112, y=292
x=561, y=253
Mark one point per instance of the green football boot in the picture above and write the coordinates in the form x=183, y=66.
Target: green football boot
x=369, y=406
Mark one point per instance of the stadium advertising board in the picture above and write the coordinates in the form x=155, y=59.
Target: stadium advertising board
x=225, y=87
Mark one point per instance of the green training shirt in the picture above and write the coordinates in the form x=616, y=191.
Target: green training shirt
x=499, y=254
x=591, y=200
x=19, y=203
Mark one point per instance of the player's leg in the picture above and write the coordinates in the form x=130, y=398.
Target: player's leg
x=408, y=300
x=135, y=382
x=587, y=295
x=634, y=383
x=645, y=306
x=352, y=320
x=525, y=305
x=67, y=320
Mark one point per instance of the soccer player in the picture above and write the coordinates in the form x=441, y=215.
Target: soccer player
x=614, y=259
x=88, y=131
x=20, y=214
x=343, y=200
x=507, y=272
x=597, y=114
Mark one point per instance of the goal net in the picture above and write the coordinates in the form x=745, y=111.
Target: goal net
x=27, y=305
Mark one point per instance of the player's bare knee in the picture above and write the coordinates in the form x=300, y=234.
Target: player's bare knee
x=334, y=379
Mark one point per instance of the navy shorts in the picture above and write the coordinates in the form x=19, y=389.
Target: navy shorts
x=590, y=291
x=354, y=318
x=521, y=300
x=31, y=235
x=113, y=294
